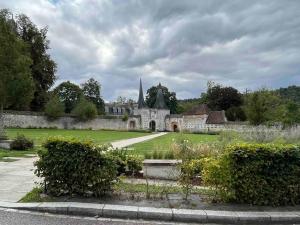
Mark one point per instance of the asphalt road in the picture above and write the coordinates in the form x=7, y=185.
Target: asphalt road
x=15, y=217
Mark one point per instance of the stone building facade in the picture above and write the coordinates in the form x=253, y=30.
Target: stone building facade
x=158, y=118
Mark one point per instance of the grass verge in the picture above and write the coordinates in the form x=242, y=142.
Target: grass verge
x=35, y=196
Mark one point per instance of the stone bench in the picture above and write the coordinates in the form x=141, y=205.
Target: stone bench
x=161, y=169
x=5, y=144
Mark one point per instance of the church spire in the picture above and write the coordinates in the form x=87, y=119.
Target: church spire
x=141, y=101
x=160, y=100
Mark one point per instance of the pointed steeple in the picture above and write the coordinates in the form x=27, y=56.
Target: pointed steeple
x=160, y=100
x=141, y=101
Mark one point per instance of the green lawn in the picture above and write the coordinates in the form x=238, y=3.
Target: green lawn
x=163, y=143
x=8, y=153
x=40, y=135
x=99, y=136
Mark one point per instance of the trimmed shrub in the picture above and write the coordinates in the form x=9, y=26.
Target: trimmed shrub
x=85, y=110
x=54, y=108
x=21, y=143
x=259, y=174
x=73, y=167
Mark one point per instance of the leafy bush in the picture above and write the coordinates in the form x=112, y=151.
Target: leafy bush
x=189, y=170
x=125, y=162
x=73, y=167
x=134, y=163
x=85, y=110
x=21, y=143
x=54, y=108
x=259, y=174
x=120, y=160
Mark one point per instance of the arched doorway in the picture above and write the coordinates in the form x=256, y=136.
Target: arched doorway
x=132, y=124
x=152, y=125
x=175, y=127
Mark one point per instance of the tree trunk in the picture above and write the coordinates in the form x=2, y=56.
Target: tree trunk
x=2, y=131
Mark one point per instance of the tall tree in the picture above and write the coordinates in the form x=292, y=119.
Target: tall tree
x=292, y=93
x=43, y=68
x=91, y=91
x=69, y=94
x=222, y=98
x=16, y=84
x=292, y=113
x=170, y=98
x=263, y=106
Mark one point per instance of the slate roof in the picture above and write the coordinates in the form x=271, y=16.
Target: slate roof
x=141, y=101
x=216, y=117
x=198, y=110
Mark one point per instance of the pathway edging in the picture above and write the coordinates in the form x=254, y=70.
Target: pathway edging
x=161, y=214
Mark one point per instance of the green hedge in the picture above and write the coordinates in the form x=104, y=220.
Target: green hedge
x=73, y=167
x=258, y=174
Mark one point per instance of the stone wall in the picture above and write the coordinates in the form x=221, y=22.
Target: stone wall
x=39, y=121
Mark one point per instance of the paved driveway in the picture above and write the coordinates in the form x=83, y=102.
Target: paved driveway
x=16, y=179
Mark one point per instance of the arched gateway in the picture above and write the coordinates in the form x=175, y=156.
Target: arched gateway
x=152, y=125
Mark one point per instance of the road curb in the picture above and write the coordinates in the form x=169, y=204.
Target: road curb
x=160, y=214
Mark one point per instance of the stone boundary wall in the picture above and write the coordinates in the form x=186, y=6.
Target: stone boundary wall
x=35, y=120
x=39, y=121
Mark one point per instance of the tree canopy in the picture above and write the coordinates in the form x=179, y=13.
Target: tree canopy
x=43, y=68
x=222, y=98
x=16, y=83
x=69, y=94
x=169, y=97
x=91, y=91
x=263, y=106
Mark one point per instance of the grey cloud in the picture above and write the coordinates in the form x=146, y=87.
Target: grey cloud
x=183, y=44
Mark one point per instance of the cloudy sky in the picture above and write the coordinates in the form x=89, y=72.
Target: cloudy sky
x=182, y=44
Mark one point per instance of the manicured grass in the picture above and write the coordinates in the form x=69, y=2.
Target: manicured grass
x=164, y=142
x=99, y=136
x=8, y=153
